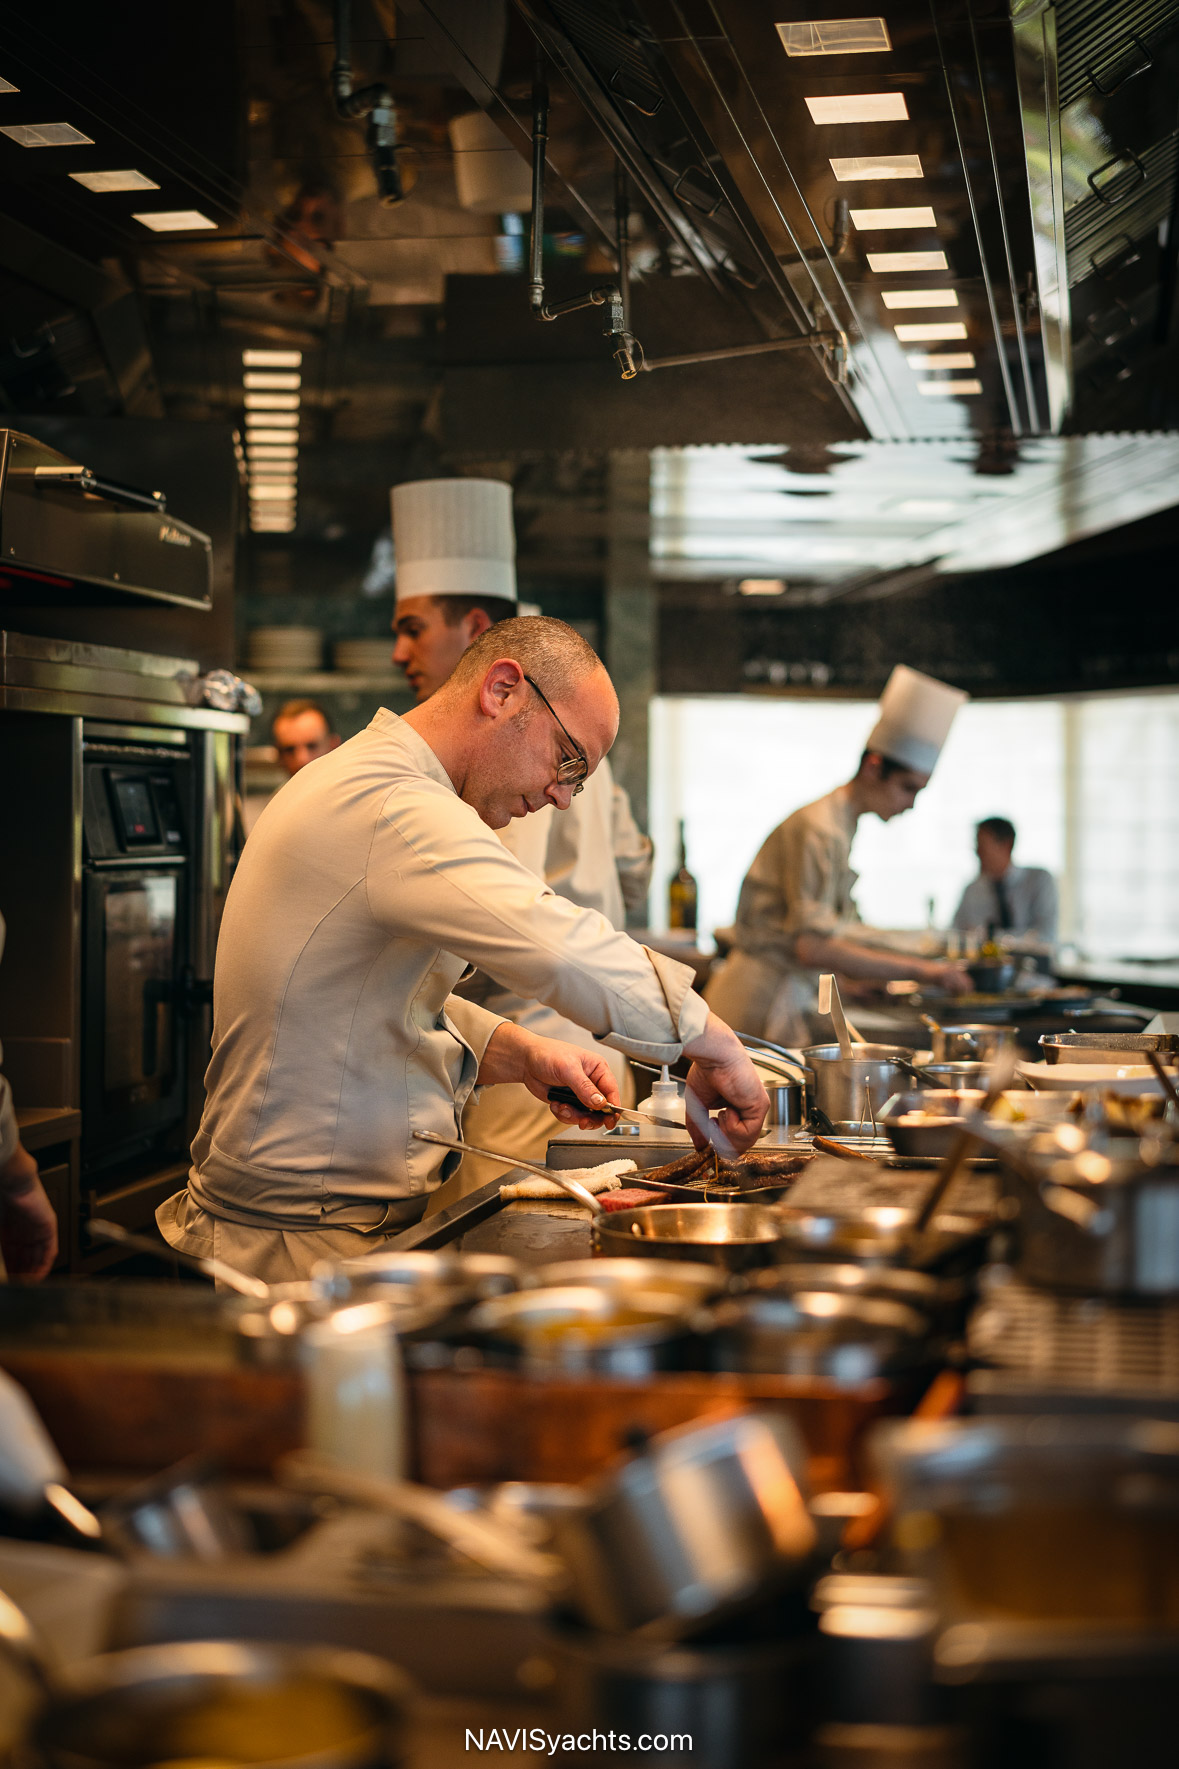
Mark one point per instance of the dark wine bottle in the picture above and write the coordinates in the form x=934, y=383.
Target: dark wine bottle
x=681, y=892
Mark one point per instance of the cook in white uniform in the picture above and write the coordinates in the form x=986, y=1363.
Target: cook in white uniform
x=796, y=915
x=456, y=577
x=28, y=1226
x=370, y=882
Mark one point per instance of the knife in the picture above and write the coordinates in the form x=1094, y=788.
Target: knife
x=565, y=1096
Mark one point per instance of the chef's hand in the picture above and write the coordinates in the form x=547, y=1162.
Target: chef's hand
x=948, y=976
x=512, y=1054
x=28, y=1227
x=722, y=1075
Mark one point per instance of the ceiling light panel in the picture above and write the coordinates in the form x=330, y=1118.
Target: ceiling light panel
x=257, y=379
x=944, y=359
x=896, y=263
x=277, y=451
x=271, y=426
x=108, y=181
x=919, y=297
x=277, y=494
x=272, y=524
x=870, y=220
x=272, y=359
x=274, y=402
x=931, y=331
x=174, y=220
x=761, y=586
x=945, y=388
x=46, y=135
x=864, y=166
x=859, y=107
x=835, y=36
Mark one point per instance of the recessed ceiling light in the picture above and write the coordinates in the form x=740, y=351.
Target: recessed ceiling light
x=47, y=135
x=256, y=378
x=288, y=451
x=894, y=263
x=274, y=402
x=272, y=359
x=104, y=181
x=864, y=166
x=761, y=586
x=835, y=36
x=945, y=359
x=174, y=220
x=868, y=220
x=945, y=388
x=271, y=426
x=273, y=494
x=7, y=86
x=929, y=332
x=926, y=507
x=859, y=107
x=919, y=297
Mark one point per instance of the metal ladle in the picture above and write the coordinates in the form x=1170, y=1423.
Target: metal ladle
x=573, y=1186
x=102, y=1230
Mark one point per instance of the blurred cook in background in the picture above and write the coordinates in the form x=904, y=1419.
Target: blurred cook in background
x=796, y=915
x=300, y=731
x=1019, y=899
x=456, y=578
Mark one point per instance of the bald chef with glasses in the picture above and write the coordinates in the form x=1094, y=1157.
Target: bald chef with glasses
x=369, y=884
x=456, y=578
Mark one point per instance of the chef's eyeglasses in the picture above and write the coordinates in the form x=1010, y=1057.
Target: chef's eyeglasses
x=573, y=769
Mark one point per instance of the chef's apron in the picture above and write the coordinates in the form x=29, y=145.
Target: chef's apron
x=281, y=1250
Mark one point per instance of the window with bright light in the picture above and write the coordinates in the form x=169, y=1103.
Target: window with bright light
x=735, y=767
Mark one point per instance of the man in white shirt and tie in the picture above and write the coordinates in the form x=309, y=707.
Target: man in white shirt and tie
x=1010, y=898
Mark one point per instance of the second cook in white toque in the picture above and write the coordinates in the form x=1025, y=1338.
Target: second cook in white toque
x=454, y=537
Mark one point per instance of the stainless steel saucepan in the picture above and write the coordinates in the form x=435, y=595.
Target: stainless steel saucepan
x=849, y=1091
x=735, y=1236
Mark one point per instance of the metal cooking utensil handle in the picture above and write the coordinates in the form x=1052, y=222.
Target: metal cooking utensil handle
x=572, y=1186
x=1157, y=1064
x=482, y=1540
x=101, y=1230
x=1001, y=1072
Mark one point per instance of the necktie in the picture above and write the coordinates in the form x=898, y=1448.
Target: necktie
x=1004, y=903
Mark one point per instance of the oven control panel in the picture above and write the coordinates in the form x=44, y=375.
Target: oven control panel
x=133, y=802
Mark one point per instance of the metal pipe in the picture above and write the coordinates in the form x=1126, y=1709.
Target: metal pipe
x=836, y=340
x=374, y=102
x=622, y=230
x=540, y=136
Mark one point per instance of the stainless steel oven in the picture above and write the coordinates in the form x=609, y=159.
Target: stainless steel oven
x=136, y=969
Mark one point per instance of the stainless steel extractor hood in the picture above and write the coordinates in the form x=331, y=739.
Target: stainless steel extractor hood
x=69, y=536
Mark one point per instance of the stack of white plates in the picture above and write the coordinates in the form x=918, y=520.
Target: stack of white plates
x=284, y=648
x=364, y=657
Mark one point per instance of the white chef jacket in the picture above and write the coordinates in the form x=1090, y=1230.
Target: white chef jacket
x=365, y=890
x=800, y=882
x=1031, y=897
x=594, y=854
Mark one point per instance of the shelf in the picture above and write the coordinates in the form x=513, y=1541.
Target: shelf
x=324, y=681
x=42, y=1126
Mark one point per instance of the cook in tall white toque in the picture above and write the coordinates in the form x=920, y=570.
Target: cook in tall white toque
x=796, y=915
x=454, y=537
x=916, y=713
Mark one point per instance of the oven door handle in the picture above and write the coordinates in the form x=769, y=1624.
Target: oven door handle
x=190, y=993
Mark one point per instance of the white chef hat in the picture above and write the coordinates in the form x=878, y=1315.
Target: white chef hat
x=916, y=713
x=454, y=537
